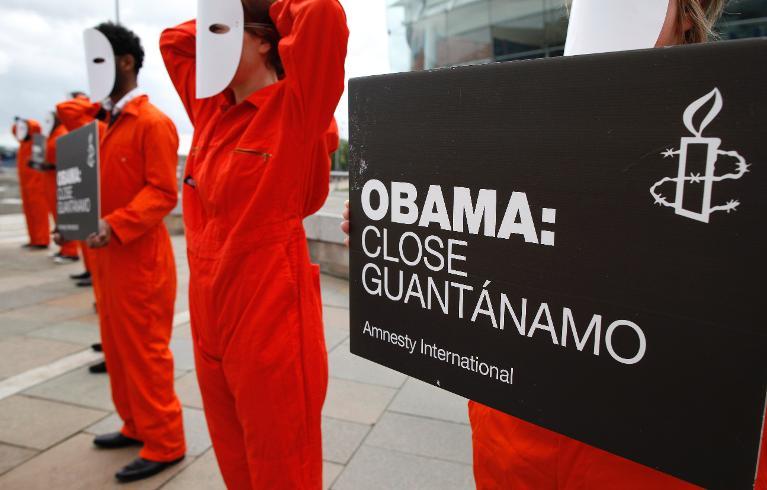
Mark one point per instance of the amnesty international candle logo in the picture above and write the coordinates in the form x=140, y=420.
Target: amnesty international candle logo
x=698, y=159
x=91, y=161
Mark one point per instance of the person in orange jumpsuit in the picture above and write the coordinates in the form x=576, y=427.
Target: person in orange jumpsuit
x=510, y=453
x=513, y=454
x=134, y=269
x=259, y=165
x=32, y=185
x=68, y=250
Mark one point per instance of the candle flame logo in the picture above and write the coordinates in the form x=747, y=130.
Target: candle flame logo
x=696, y=181
x=91, y=161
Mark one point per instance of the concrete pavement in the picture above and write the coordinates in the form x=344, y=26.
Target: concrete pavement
x=381, y=429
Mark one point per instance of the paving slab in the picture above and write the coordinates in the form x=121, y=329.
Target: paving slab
x=335, y=336
x=375, y=468
x=425, y=400
x=335, y=291
x=76, y=464
x=183, y=354
x=340, y=439
x=356, y=402
x=188, y=390
x=78, y=387
x=48, y=314
x=74, y=332
x=330, y=472
x=203, y=474
x=183, y=332
x=11, y=326
x=19, y=298
x=19, y=354
x=79, y=299
x=431, y=438
x=345, y=365
x=12, y=456
x=335, y=316
x=39, y=424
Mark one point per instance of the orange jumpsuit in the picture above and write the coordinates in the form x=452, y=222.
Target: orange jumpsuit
x=33, y=191
x=135, y=275
x=68, y=249
x=257, y=169
x=510, y=453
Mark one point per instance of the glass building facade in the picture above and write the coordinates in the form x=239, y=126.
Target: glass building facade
x=427, y=34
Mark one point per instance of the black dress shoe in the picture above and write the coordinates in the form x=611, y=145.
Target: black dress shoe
x=81, y=276
x=98, y=368
x=97, y=347
x=115, y=440
x=85, y=283
x=142, y=468
x=29, y=246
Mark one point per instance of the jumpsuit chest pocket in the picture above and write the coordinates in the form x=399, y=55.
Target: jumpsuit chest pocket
x=243, y=174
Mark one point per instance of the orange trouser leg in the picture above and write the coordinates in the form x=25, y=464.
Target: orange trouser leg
x=86, y=256
x=137, y=288
x=68, y=249
x=512, y=454
x=262, y=364
x=35, y=206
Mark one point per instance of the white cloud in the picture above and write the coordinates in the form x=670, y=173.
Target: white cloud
x=41, y=54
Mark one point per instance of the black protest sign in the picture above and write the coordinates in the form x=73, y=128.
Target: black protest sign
x=577, y=242
x=77, y=180
x=37, y=160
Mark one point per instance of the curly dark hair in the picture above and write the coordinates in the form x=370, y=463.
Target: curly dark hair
x=123, y=41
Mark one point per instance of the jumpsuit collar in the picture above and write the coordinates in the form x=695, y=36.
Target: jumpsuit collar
x=255, y=99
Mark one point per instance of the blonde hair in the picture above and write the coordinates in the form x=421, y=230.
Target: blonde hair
x=703, y=14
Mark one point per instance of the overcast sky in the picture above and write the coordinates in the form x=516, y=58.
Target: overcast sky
x=42, y=58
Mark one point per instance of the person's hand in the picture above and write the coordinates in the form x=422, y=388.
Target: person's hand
x=102, y=238
x=345, y=223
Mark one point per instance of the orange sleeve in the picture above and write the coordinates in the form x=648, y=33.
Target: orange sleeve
x=313, y=51
x=77, y=112
x=178, y=48
x=159, y=195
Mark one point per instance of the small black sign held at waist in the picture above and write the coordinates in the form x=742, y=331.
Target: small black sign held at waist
x=577, y=242
x=37, y=160
x=77, y=181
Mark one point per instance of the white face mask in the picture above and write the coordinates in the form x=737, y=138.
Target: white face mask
x=22, y=130
x=48, y=123
x=220, y=34
x=100, y=60
x=600, y=26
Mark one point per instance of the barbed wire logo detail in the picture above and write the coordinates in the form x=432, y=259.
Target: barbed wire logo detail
x=707, y=180
x=91, y=161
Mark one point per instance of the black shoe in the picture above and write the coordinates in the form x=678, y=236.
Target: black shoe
x=81, y=276
x=142, y=468
x=97, y=347
x=99, y=368
x=29, y=246
x=85, y=283
x=115, y=440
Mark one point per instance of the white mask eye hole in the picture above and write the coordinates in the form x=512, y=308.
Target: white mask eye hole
x=99, y=60
x=219, y=28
